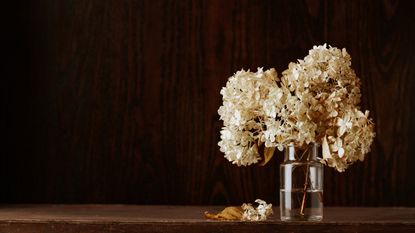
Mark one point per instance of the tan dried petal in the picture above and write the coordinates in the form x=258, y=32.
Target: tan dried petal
x=326, y=149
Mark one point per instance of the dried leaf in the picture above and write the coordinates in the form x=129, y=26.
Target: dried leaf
x=268, y=153
x=229, y=213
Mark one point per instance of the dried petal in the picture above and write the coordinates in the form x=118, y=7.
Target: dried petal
x=326, y=149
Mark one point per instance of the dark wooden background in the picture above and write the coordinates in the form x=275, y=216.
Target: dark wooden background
x=116, y=101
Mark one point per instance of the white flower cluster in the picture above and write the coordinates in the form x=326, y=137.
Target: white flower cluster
x=260, y=213
x=315, y=101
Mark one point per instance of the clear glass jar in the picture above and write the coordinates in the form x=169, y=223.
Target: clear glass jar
x=301, y=184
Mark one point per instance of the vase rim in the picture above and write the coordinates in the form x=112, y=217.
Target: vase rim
x=295, y=153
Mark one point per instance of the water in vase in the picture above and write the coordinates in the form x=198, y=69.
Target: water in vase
x=300, y=205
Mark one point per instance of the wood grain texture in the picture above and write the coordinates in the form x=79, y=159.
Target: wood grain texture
x=116, y=101
x=133, y=218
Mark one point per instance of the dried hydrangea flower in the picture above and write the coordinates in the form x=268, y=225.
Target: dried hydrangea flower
x=261, y=213
x=250, y=104
x=316, y=101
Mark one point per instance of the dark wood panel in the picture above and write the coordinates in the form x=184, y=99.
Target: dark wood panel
x=115, y=101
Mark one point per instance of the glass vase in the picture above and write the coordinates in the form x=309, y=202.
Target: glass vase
x=301, y=184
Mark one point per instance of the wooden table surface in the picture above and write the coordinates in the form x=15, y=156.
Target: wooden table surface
x=136, y=218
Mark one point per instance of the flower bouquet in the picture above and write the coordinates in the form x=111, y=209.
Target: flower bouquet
x=315, y=101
